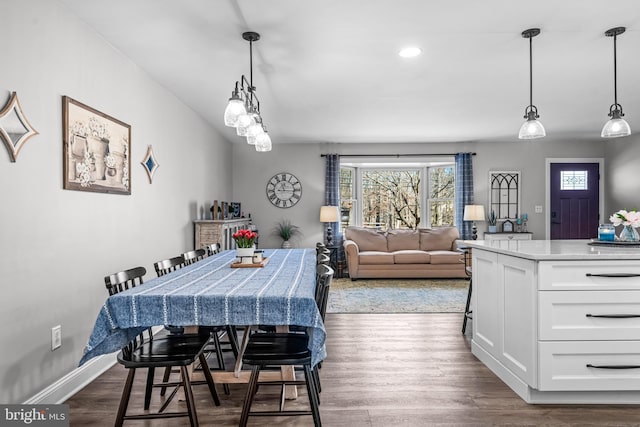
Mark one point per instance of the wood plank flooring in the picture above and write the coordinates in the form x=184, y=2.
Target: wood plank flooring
x=382, y=370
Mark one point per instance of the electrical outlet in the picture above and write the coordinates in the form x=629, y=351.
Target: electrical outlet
x=538, y=209
x=56, y=337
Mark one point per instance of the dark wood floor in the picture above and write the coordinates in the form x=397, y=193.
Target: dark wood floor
x=382, y=370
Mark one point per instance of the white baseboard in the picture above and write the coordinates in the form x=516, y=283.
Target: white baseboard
x=74, y=381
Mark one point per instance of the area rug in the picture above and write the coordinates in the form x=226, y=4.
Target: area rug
x=397, y=296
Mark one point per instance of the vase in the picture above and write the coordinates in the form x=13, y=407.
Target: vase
x=245, y=255
x=286, y=245
x=493, y=229
x=629, y=234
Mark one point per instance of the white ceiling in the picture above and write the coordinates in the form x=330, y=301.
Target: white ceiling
x=328, y=70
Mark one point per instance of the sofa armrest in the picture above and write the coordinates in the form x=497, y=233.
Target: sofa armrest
x=351, y=252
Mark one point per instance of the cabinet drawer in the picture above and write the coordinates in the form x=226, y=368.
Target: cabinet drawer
x=563, y=365
x=589, y=315
x=589, y=275
x=507, y=236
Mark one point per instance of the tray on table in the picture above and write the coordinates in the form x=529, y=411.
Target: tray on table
x=238, y=264
x=597, y=242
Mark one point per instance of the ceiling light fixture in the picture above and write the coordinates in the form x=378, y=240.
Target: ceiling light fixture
x=532, y=128
x=616, y=126
x=243, y=109
x=410, y=52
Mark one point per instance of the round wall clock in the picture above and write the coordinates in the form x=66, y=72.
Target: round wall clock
x=284, y=190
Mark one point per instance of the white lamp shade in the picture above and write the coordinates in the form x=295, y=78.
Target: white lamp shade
x=254, y=130
x=244, y=121
x=234, y=109
x=531, y=129
x=263, y=142
x=616, y=128
x=474, y=213
x=329, y=214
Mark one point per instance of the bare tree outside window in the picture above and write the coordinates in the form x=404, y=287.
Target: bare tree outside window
x=441, y=195
x=391, y=198
x=347, y=197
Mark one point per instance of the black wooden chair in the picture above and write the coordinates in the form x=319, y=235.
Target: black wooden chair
x=193, y=256
x=147, y=351
x=469, y=272
x=168, y=265
x=212, y=249
x=271, y=349
x=274, y=350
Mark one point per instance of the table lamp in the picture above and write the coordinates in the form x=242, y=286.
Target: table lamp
x=474, y=213
x=329, y=214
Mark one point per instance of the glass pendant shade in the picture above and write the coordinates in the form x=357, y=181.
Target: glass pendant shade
x=244, y=121
x=616, y=127
x=234, y=109
x=531, y=129
x=254, y=130
x=263, y=142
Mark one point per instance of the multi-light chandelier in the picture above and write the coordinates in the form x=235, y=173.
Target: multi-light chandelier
x=243, y=109
x=616, y=126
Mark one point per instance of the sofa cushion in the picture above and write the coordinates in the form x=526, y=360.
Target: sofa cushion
x=373, y=257
x=398, y=240
x=446, y=257
x=438, y=239
x=367, y=239
x=411, y=257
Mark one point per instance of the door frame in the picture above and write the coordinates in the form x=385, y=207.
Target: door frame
x=547, y=171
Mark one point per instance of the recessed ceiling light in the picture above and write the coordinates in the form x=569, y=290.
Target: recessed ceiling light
x=410, y=52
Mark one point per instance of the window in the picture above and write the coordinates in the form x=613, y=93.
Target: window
x=574, y=180
x=390, y=198
x=396, y=196
x=441, y=195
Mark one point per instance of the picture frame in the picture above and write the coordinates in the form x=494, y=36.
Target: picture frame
x=96, y=150
x=236, y=209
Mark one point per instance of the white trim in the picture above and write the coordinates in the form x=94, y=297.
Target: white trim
x=547, y=197
x=74, y=381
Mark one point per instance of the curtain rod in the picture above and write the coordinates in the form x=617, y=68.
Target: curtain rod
x=397, y=155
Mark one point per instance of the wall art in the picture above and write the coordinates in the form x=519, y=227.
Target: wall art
x=96, y=150
x=15, y=129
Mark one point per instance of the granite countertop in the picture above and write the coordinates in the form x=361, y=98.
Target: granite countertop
x=541, y=250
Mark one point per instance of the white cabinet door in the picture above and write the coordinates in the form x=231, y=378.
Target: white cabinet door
x=517, y=294
x=504, y=313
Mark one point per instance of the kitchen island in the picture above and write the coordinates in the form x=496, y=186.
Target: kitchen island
x=559, y=321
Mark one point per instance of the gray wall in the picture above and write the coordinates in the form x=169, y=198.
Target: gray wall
x=251, y=172
x=623, y=175
x=57, y=245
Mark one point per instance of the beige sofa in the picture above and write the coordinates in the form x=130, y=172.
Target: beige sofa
x=421, y=253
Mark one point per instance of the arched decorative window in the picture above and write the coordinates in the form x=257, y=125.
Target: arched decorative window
x=504, y=194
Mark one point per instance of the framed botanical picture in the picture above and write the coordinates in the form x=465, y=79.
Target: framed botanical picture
x=96, y=150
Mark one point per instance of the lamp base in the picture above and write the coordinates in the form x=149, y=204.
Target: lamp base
x=474, y=232
x=329, y=236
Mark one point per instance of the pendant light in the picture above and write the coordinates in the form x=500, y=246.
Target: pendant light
x=532, y=128
x=243, y=108
x=616, y=126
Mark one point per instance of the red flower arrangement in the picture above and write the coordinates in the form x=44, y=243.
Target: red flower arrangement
x=245, y=238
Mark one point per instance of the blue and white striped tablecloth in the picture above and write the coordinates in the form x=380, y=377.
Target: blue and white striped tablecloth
x=212, y=293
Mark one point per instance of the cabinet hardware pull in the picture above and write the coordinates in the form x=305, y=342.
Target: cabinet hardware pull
x=589, y=365
x=614, y=316
x=614, y=275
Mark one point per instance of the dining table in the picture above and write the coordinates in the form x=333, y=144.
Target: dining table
x=212, y=292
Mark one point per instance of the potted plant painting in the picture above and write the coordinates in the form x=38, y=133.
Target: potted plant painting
x=286, y=230
x=492, y=222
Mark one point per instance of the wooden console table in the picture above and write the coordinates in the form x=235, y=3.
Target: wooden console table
x=209, y=231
